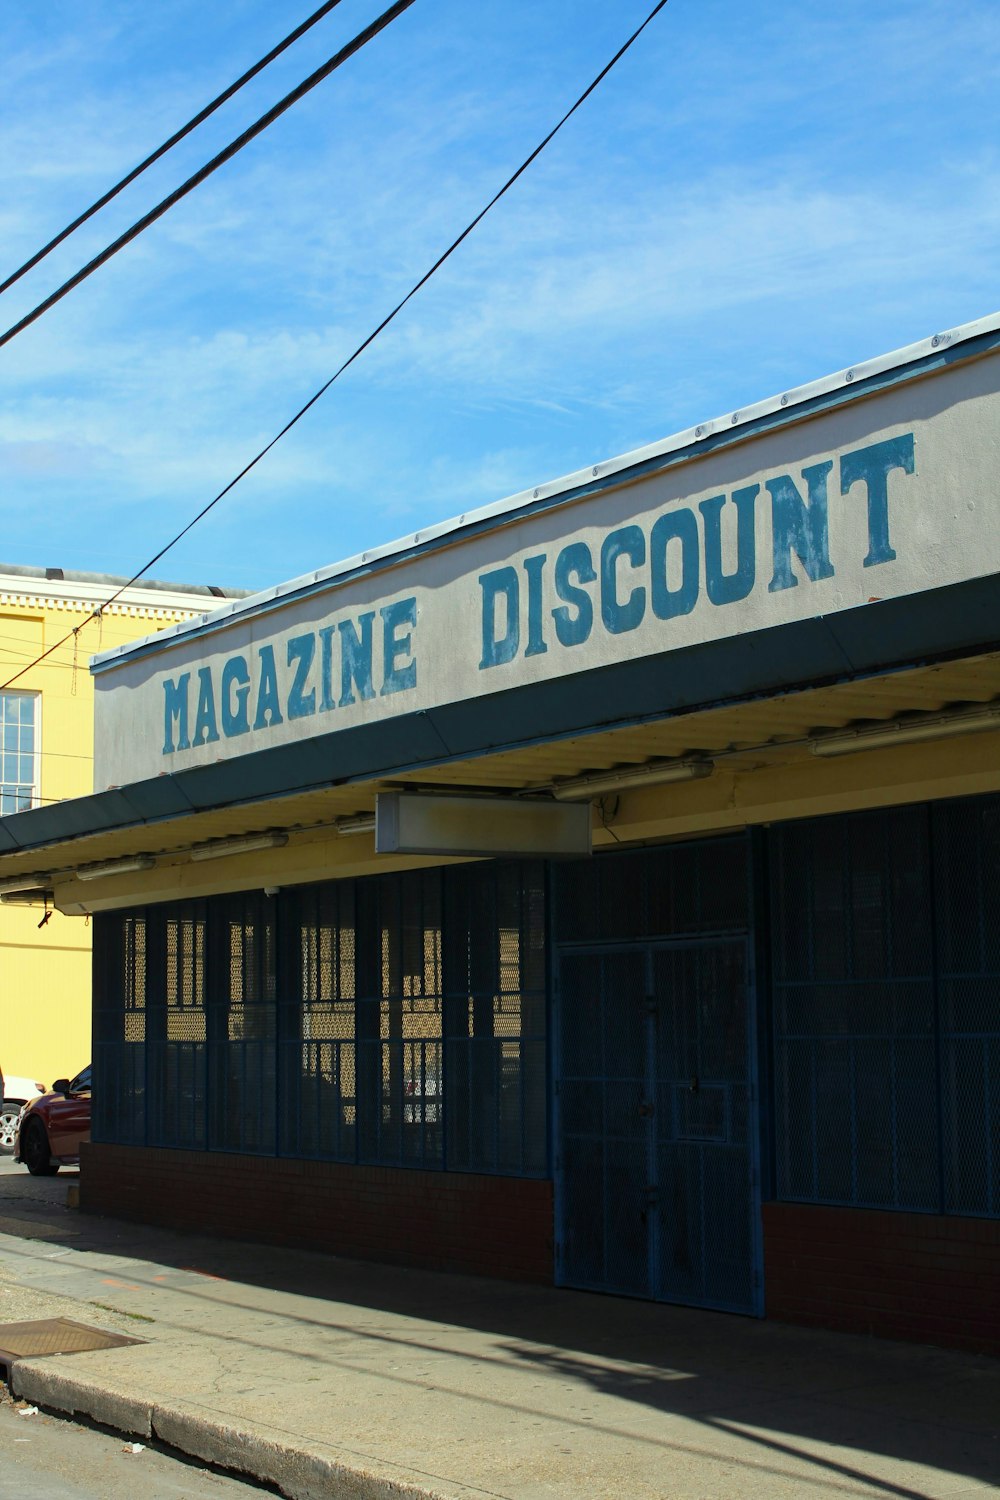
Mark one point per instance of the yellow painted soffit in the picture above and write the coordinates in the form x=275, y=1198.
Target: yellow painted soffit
x=774, y=728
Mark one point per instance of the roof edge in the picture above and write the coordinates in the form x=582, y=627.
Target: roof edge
x=852, y=382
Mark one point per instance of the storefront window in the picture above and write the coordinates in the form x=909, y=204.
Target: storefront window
x=395, y=1020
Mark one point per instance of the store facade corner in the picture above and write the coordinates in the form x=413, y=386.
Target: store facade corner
x=602, y=888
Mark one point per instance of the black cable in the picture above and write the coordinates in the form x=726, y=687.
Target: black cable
x=223, y=156
x=168, y=145
x=95, y=614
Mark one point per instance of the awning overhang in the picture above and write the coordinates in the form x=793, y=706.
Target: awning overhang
x=759, y=743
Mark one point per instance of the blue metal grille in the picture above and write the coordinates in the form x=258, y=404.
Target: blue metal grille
x=242, y=1024
x=705, y=1202
x=655, y=1151
x=314, y=1024
x=655, y=1156
x=178, y=1051
x=887, y=1009
x=399, y=1020
x=119, y=1020
x=671, y=891
x=604, y=1162
x=495, y=1047
x=967, y=887
x=317, y=1024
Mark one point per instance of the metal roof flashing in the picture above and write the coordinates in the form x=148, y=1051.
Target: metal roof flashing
x=789, y=406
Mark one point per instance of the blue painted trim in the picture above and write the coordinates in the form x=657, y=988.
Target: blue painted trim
x=783, y=417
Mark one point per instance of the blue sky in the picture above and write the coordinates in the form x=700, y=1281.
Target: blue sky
x=757, y=196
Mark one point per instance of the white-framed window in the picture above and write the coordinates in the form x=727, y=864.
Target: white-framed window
x=19, y=758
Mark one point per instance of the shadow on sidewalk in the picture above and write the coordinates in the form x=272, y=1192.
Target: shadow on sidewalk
x=787, y=1391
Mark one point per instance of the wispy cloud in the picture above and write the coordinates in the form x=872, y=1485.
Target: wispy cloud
x=752, y=199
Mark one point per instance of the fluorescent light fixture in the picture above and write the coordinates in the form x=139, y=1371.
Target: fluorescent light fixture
x=117, y=867
x=24, y=883
x=653, y=773
x=26, y=898
x=907, y=731
x=424, y=823
x=360, y=823
x=245, y=844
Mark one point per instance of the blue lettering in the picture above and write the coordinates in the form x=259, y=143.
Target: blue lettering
x=674, y=526
x=533, y=567
x=397, y=678
x=301, y=649
x=356, y=659
x=573, y=630
x=235, y=714
x=627, y=541
x=268, y=705
x=175, y=706
x=501, y=583
x=804, y=528
x=206, y=729
x=726, y=588
x=327, y=700
x=873, y=465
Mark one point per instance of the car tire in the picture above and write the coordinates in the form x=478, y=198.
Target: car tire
x=9, y=1116
x=35, y=1151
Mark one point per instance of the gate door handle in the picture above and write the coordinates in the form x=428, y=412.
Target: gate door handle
x=646, y=1108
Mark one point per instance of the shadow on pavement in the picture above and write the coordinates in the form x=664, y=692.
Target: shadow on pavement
x=788, y=1391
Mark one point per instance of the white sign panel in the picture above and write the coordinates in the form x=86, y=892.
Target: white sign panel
x=425, y=824
x=882, y=497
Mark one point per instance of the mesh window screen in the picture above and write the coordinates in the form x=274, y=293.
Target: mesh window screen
x=241, y=1024
x=887, y=1009
x=495, y=1048
x=314, y=1025
x=701, y=1127
x=967, y=848
x=177, y=1045
x=371, y=1071
x=318, y=1071
x=679, y=889
x=604, y=1138
x=399, y=1022
x=119, y=1019
x=854, y=1046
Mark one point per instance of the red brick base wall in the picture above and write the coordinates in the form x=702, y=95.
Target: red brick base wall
x=904, y=1276
x=445, y=1221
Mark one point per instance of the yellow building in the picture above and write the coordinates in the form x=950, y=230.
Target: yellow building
x=46, y=755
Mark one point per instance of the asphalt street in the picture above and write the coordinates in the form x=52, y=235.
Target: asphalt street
x=52, y=1458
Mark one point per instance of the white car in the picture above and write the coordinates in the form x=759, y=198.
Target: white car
x=14, y=1095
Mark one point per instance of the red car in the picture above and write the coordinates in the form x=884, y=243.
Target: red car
x=51, y=1128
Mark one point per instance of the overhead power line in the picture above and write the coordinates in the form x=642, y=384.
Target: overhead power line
x=226, y=154
x=168, y=145
x=96, y=613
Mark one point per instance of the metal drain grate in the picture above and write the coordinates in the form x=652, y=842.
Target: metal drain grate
x=53, y=1336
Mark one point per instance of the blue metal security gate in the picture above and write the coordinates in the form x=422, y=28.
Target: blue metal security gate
x=656, y=1153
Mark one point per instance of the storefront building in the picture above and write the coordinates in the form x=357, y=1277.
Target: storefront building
x=602, y=888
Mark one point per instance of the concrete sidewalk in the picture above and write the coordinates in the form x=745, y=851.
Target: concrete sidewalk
x=327, y=1377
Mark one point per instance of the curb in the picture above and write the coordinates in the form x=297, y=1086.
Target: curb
x=298, y=1472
